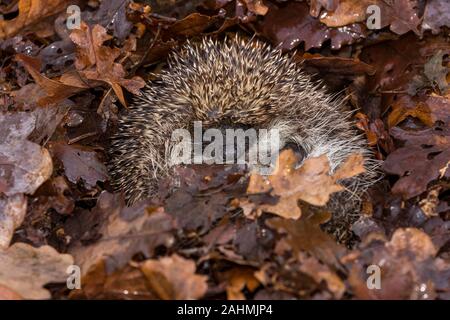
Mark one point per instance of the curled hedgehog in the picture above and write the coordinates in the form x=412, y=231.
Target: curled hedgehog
x=234, y=83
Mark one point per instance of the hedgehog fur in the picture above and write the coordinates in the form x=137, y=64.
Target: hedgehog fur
x=234, y=82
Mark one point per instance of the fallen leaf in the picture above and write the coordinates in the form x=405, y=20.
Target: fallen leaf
x=305, y=234
x=174, y=278
x=57, y=90
x=80, y=163
x=436, y=16
x=12, y=213
x=311, y=182
x=97, y=62
x=419, y=162
x=238, y=279
x=401, y=15
x=407, y=265
x=119, y=233
x=30, y=12
x=25, y=269
x=290, y=25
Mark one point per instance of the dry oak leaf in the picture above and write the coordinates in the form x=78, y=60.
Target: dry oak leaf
x=123, y=232
x=401, y=15
x=96, y=62
x=312, y=182
x=424, y=157
x=30, y=12
x=305, y=234
x=25, y=269
x=174, y=278
x=436, y=15
x=292, y=24
x=57, y=90
x=80, y=162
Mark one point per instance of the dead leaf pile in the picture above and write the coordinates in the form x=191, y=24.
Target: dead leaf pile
x=220, y=232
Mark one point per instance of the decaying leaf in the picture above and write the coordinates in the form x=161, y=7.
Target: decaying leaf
x=305, y=234
x=25, y=269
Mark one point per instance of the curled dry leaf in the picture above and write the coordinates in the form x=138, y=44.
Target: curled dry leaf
x=57, y=90
x=25, y=269
x=30, y=12
x=96, y=62
x=238, y=279
x=256, y=6
x=174, y=278
x=312, y=182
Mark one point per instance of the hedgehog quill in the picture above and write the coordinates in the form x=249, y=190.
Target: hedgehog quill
x=235, y=84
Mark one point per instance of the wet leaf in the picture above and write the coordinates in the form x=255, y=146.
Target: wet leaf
x=80, y=163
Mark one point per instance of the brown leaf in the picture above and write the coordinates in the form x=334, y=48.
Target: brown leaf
x=305, y=234
x=174, y=278
x=409, y=269
x=256, y=6
x=311, y=182
x=119, y=233
x=25, y=269
x=57, y=90
x=424, y=158
x=407, y=106
x=320, y=272
x=96, y=62
x=436, y=15
x=30, y=12
x=238, y=279
x=290, y=25
x=80, y=163
x=12, y=213
x=401, y=15
x=24, y=165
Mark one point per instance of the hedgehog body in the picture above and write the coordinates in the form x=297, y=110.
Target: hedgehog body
x=234, y=83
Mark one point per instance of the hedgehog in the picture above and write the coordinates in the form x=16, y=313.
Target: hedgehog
x=235, y=83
